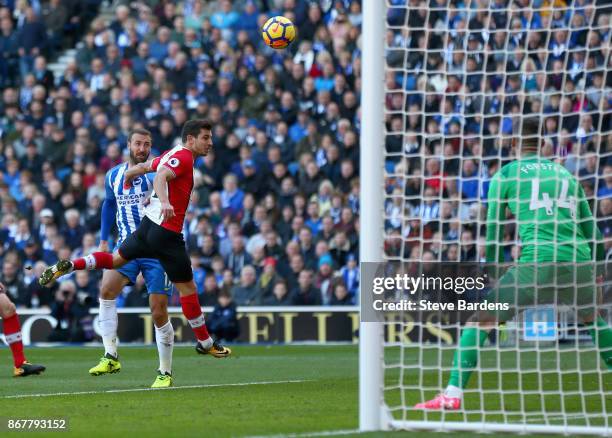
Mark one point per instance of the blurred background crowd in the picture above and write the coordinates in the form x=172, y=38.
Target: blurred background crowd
x=274, y=213
x=274, y=218
x=462, y=75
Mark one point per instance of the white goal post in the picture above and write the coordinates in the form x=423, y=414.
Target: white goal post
x=371, y=205
x=395, y=371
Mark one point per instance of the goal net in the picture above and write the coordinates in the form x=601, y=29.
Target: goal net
x=460, y=80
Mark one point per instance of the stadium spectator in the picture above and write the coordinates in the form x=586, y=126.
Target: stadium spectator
x=30, y=254
x=32, y=40
x=305, y=294
x=238, y=257
x=35, y=295
x=13, y=283
x=8, y=48
x=42, y=75
x=211, y=291
x=223, y=321
x=340, y=295
x=350, y=275
x=605, y=183
x=231, y=195
x=245, y=293
x=286, y=138
x=267, y=279
x=280, y=295
x=72, y=231
x=469, y=181
x=324, y=277
x=272, y=247
x=71, y=316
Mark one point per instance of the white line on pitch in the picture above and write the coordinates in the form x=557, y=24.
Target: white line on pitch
x=357, y=431
x=310, y=434
x=114, y=391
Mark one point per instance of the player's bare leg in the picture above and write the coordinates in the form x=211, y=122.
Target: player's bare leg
x=96, y=260
x=12, y=334
x=112, y=284
x=193, y=312
x=164, y=337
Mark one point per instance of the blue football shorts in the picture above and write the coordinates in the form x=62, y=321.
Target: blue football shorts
x=156, y=280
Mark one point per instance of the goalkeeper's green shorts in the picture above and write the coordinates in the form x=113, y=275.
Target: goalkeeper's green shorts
x=530, y=285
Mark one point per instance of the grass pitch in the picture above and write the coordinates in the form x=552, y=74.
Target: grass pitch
x=550, y=386
x=261, y=390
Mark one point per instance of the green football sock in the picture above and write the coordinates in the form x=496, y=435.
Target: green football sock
x=466, y=356
x=602, y=337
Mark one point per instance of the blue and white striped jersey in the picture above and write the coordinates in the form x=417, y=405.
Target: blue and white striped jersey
x=128, y=203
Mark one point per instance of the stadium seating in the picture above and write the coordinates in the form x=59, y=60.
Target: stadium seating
x=281, y=190
x=270, y=181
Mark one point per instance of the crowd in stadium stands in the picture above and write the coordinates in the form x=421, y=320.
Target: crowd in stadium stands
x=460, y=84
x=274, y=213
x=274, y=218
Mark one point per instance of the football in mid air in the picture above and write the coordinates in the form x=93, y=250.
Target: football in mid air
x=278, y=32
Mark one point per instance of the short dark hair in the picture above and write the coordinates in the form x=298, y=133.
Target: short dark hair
x=140, y=131
x=193, y=128
x=530, y=132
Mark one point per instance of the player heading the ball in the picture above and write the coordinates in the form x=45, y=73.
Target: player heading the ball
x=126, y=207
x=159, y=235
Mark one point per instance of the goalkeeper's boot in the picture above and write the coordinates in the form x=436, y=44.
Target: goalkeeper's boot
x=55, y=271
x=217, y=350
x=441, y=402
x=28, y=369
x=163, y=380
x=107, y=365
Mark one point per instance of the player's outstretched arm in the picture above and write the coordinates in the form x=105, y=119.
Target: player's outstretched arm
x=160, y=185
x=136, y=171
x=109, y=212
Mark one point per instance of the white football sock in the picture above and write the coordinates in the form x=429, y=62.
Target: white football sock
x=107, y=321
x=453, y=391
x=207, y=343
x=164, y=336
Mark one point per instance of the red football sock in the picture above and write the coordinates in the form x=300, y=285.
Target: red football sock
x=95, y=260
x=195, y=317
x=12, y=334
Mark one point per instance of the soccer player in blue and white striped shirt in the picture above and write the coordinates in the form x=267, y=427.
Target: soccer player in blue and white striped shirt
x=125, y=206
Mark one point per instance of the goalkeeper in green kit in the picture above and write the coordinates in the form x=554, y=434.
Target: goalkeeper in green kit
x=559, y=237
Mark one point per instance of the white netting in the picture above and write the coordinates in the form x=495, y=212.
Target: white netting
x=461, y=77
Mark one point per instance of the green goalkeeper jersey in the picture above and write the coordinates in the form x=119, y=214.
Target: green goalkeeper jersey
x=554, y=219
